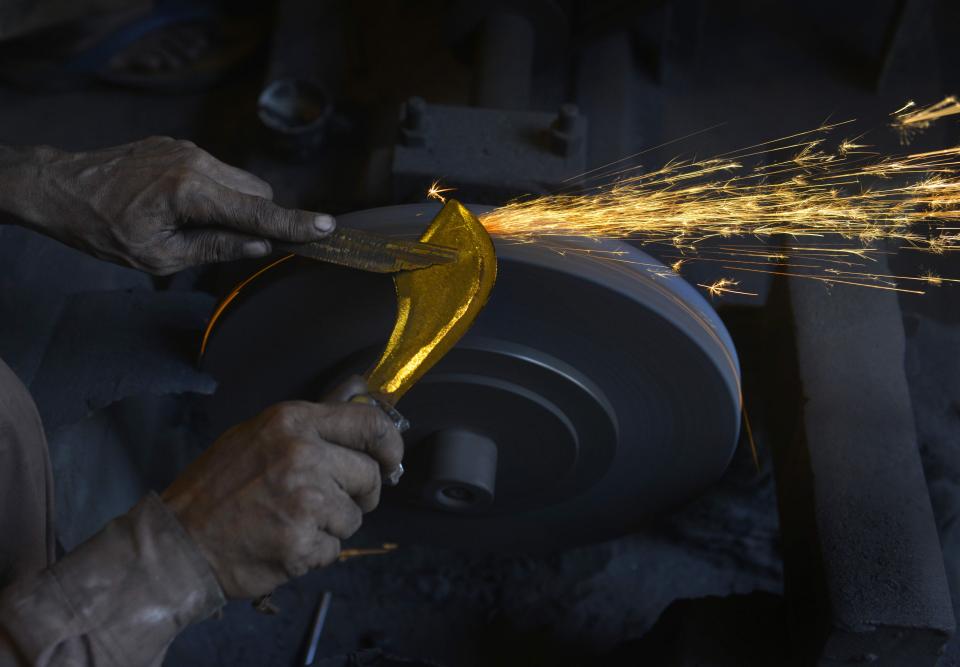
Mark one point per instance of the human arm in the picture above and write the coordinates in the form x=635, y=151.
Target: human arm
x=158, y=204
x=269, y=500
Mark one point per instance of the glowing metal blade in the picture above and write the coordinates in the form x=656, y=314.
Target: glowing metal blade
x=437, y=305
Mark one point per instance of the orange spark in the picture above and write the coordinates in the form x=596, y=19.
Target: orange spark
x=910, y=121
x=834, y=206
x=933, y=279
x=724, y=286
x=436, y=192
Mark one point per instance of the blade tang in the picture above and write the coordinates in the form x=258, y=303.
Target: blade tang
x=367, y=251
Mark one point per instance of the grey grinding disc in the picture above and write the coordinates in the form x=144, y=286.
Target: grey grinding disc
x=591, y=395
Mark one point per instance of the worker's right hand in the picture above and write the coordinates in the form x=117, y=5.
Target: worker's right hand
x=273, y=497
x=158, y=205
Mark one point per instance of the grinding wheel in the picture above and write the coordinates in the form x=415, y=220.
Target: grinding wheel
x=590, y=395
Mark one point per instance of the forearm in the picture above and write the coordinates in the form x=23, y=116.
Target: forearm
x=24, y=173
x=118, y=600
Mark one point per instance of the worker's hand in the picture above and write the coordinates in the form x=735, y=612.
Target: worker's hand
x=162, y=205
x=273, y=497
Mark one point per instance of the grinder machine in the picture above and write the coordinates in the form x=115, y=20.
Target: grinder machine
x=596, y=390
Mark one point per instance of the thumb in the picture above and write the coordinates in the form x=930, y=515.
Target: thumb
x=343, y=392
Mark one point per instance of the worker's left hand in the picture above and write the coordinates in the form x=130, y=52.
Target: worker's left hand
x=273, y=496
x=162, y=205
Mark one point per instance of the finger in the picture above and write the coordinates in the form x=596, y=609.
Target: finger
x=319, y=466
x=203, y=165
x=326, y=552
x=358, y=475
x=342, y=516
x=238, y=179
x=205, y=246
x=363, y=428
x=210, y=202
x=343, y=392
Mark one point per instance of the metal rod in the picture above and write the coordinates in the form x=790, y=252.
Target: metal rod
x=319, y=619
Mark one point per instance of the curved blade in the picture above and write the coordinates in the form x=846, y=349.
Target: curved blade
x=436, y=305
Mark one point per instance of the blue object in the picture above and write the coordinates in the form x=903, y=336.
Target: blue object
x=164, y=15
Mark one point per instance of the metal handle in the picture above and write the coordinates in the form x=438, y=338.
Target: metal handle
x=399, y=421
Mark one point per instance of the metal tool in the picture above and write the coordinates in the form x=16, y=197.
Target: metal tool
x=435, y=307
x=401, y=423
x=611, y=390
x=457, y=292
x=316, y=628
x=367, y=251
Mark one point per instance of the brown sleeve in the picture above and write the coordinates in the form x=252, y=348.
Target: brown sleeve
x=119, y=599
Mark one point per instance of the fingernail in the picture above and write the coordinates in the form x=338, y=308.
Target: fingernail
x=255, y=248
x=324, y=223
x=393, y=478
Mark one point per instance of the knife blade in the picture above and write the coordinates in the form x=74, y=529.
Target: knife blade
x=368, y=251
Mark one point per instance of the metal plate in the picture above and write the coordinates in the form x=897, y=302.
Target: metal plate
x=611, y=388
